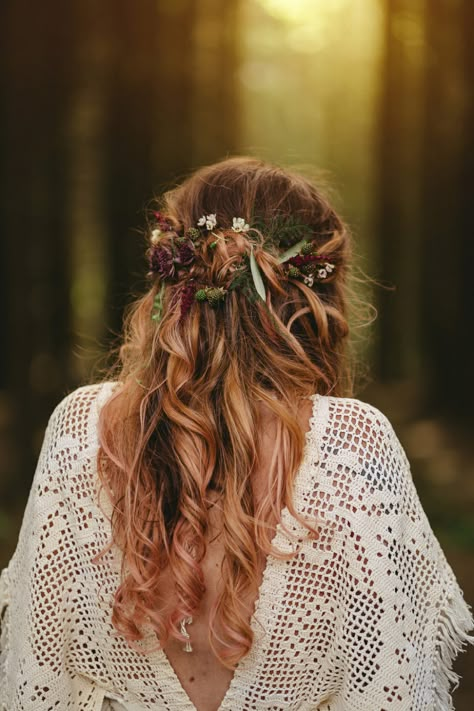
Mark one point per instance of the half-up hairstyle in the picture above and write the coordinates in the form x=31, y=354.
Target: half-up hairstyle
x=185, y=418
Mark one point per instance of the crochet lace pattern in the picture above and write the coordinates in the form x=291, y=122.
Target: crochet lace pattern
x=369, y=617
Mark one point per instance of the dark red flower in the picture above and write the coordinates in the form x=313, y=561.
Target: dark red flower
x=187, y=298
x=161, y=262
x=186, y=253
x=296, y=261
x=162, y=222
x=301, y=259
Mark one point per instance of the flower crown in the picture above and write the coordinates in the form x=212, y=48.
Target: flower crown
x=300, y=261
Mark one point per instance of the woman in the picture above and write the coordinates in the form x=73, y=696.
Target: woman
x=223, y=527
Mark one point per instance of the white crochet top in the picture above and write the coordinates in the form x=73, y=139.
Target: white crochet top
x=368, y=617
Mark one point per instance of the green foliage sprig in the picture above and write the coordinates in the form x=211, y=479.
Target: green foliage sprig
x=283, y=231
x=157, y=311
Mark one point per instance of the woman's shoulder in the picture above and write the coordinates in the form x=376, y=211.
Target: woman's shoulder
x=80, y=405
x=86, y=396
x=356, y=437
x=348, y=419
x=351, y=411
x=72, y=426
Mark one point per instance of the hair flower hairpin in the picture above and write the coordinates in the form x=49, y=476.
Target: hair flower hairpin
x=239, y=225
x=302, y=261
x=171, y=258
x=208, y=221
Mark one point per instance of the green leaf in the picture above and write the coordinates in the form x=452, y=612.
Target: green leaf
x=292, y=251
x=241, y=279
x=158, y=304
x=257, y=277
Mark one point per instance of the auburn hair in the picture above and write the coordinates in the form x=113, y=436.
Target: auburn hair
x=185, y=418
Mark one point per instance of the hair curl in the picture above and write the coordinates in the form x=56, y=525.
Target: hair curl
x=186, y=418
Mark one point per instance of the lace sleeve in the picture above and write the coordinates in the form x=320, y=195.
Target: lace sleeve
x=430, y=585
x=37, y=588
x=425, y=619
x=404, y=617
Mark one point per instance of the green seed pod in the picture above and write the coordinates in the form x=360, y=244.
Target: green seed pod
x=200, y=295
x=215, y=295
x=307, y=248
x=193, y=233
x=294, y=272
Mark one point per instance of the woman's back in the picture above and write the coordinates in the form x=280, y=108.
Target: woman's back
x=202, y=676
x=368, y=615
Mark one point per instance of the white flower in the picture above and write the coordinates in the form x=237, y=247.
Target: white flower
x=309, y=280
x=329, y=267
x=322, y=273
x=211, y=222
x=239, y=225
x=155, y=236
x=208, y=221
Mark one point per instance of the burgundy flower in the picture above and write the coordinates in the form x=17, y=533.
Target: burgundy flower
x=161, y=262
x=301, y=259
x=296, y=261
x=186, y=253
x=162, y=222
x=187, y=298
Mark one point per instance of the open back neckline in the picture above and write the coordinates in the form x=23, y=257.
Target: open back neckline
x=185, y=701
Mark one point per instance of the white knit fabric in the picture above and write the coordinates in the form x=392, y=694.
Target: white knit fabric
x=368, y=617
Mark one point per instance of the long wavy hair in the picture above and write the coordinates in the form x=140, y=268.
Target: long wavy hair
x=186, y=416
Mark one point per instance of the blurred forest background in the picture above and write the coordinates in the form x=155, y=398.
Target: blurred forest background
x=106, y=103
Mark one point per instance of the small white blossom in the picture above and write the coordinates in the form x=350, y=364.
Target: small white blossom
x=155, y=236
x=309, y=280
x=322, y=273
x=211, y=222
x=208, y=221
x=329, y=267
x=239, y=225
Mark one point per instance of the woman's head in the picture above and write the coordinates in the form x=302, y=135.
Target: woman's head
x=195, y=375
x=296, y=340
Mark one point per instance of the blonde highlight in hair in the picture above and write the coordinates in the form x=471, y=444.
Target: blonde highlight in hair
x=186, y=418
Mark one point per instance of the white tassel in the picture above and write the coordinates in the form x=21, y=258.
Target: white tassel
x=4, y=589
x=4, y=630
x=455, y=621
x=186, y=621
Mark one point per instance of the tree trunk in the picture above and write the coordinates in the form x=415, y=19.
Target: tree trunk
x=34, y=207
x=448, y=164
x=148, y=119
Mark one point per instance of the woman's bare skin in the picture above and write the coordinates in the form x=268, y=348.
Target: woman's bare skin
x=204, y=679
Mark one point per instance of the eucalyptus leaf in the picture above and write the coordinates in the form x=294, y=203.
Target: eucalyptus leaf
x=158, y=304
x=292, y=251
x=257, y=277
